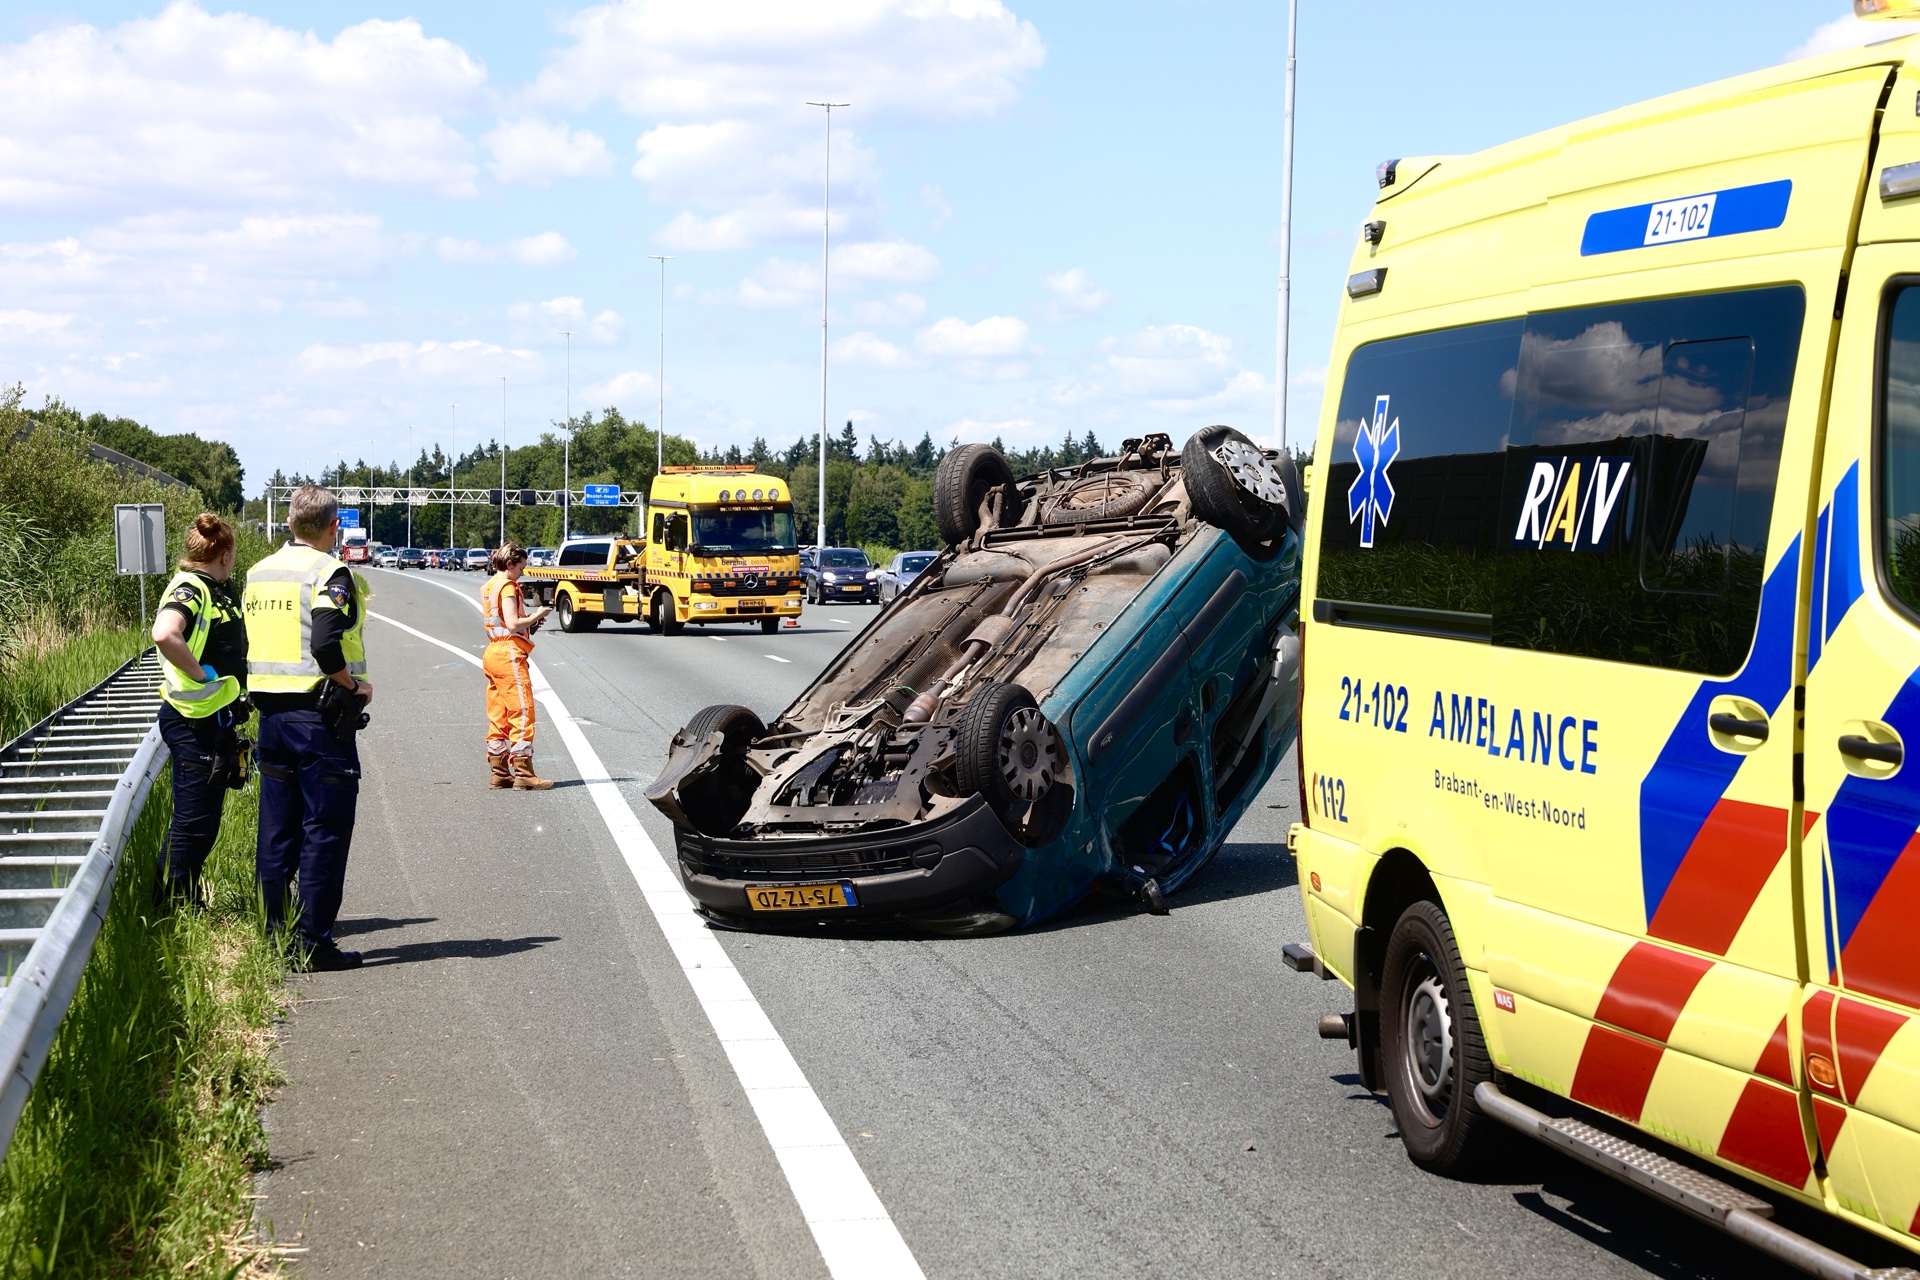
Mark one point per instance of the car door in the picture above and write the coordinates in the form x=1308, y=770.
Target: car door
x=1859, y=1041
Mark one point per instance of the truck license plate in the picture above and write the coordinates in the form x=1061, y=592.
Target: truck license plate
x=800, y=897
x=753, y=604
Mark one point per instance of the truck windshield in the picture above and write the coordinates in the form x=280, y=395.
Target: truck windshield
x=724, y=531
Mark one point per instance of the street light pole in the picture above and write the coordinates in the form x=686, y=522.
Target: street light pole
x=1286, y=232
x=660, y=425
x=826, y=206
x=453, y=457
x=503, y=459
x=566, y=450
x=409, y=484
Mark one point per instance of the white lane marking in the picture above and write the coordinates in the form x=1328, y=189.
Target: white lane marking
x=856, y=1236
x=721, y=639
x=771, y=658
x=842, y=621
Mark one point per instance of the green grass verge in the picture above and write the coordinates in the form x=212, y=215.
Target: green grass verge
x=33, y=686
x=138, y=1146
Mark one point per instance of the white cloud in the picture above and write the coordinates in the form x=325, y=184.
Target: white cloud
x=781, y=283
x=968, y=430
x=631, y=391
x=35, y=328
x=895, y=261
x=467, y=360
x=1075, y=294
x=723, y=81
x=1176, y=369
x=994, y=336
x=901, y=308
x=542, y=322
x=547, y=249
x=1842, y=33
x=196, y=110
x=865, y=351
x=536, y=151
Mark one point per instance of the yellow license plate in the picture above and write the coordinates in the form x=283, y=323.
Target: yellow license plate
x=753, y=604
x=798, y=897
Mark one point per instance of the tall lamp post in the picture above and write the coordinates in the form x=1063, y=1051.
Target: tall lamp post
x=566, y=451
x=1286, y=232
x=503, y=459
x=453, y=458
x=826, y=199
x=660, y=424
x=409, y=484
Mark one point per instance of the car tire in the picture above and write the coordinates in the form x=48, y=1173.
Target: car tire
x=768, y=626
x=1108, y=495
x=661, y=616
x=1431, y=1045
x=717, y=800
x=1234, y=487
x=572, y=621
x=965, y=478
x=1016, y=758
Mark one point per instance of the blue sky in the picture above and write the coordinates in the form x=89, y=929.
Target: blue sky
x=301, y=227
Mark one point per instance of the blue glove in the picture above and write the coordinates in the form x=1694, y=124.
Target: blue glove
x=212, y=675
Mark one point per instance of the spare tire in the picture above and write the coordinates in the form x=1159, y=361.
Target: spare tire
x=1108, y=495
x=1235, y=487
x=715, y=799
x=965, y=478
x=1014, y=757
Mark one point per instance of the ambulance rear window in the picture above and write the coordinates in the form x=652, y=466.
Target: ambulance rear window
x=1899, y=450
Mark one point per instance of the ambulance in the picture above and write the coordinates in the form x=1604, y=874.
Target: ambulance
x=1612, y=649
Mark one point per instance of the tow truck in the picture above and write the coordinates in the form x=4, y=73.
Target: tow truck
x=720, y=547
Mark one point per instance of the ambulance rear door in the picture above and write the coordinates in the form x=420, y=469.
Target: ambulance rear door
x=1859, y=1035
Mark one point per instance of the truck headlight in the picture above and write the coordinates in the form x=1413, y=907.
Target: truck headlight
x=706, y=604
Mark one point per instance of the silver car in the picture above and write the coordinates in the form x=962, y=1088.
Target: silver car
x=899, y=572
x=478, y=560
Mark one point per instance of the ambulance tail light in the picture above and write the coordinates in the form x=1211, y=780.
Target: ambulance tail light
x=1300, y=727
x=1886, y=8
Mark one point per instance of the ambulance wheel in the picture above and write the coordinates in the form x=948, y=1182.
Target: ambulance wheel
x=965, y=477
x=1433, y=1052
x=1233, y=486
x=572, y=621
x=661, y=618
x=769, y=626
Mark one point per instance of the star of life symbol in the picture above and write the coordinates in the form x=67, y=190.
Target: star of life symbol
x=1375, y=447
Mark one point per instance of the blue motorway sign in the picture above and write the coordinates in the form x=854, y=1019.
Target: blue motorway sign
x=349, y=517
x=602, y=495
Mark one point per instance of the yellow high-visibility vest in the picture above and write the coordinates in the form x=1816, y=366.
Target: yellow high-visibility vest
x=182, y=692
x=282, y=593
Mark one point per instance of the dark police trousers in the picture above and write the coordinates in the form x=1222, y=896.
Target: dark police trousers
x=199, y=793
x=309, y=787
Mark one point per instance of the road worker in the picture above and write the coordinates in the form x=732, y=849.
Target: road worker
x=201, y=635
x=510, y=629
x=307, y=664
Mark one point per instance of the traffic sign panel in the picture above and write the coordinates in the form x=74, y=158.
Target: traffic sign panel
x=349, y=518
x=602, y=495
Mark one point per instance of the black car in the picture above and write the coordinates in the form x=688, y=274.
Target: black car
x=1085, y=690
x=840, y=573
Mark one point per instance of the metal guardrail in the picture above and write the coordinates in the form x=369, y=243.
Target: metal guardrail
x=71, y=788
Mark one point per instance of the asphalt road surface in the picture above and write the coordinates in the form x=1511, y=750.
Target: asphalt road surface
x=523, y=1082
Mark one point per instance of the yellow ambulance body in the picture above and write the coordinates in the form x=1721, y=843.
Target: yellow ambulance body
x=1613, y=638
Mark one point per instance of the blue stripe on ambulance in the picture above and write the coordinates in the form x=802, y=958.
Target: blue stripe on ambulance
x=1690, y=774
x=1870, y=823
x=1735, y=211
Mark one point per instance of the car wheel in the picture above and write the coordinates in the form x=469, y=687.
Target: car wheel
x=1013, y=755
x=1107, y=496
x=965, y=478
x=769, y=626
x=716, y=799
x=1233, y=486
x=665, y=621
x=1431, y=1042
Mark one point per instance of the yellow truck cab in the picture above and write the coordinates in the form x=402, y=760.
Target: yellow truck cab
x=1612, y=648
x=720, y=547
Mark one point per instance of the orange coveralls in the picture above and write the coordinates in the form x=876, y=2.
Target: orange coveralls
x=509, y=687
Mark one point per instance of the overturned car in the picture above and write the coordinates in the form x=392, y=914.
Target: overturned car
x=1084, y=690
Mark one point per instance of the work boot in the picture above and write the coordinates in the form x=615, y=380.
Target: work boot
x=524, y=778
x=502, y=775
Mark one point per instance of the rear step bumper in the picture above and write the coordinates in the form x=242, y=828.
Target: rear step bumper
x=1712, y=1201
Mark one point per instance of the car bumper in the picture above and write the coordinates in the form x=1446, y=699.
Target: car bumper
x=894, y=872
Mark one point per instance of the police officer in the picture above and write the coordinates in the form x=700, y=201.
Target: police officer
x=202, y=639
x=305, y=611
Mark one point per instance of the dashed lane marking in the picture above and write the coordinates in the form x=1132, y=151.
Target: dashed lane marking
x=772, y=658
x=855, y=1234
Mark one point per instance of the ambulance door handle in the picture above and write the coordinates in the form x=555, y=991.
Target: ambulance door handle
x=1734, y=727
x=1863, y=748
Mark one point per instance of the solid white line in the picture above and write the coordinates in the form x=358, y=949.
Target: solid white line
x=856, y=1236
x=771, y=657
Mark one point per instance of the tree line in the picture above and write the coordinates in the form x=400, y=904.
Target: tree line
x=211, y=466
x=879, y=494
